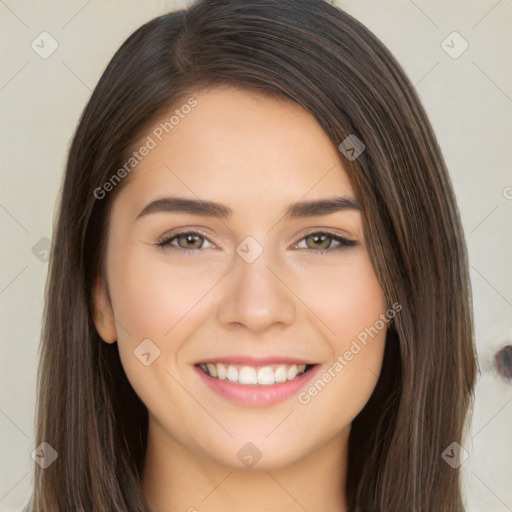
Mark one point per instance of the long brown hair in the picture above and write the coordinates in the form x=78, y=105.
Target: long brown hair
x=324, y=60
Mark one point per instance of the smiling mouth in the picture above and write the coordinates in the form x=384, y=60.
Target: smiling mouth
x=267, y=375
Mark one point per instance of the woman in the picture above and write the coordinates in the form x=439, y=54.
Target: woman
x=258, y=297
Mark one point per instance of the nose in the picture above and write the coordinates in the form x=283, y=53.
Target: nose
x=256, y=295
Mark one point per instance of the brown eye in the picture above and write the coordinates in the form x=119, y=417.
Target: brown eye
x=321, y=243
x=189, y=240
x=318, y=241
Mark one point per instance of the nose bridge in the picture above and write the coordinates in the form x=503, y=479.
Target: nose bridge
x=254, y=295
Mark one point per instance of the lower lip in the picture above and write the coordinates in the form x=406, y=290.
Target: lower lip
x=256, y=395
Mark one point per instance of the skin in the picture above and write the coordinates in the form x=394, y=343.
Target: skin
x=255, y=155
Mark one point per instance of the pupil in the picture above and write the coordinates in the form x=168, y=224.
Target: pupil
x=190, y=239
x=320, y=238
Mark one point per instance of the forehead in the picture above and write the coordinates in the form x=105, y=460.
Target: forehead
x=237, y=145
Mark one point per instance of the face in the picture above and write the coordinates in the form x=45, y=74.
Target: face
x=258, y=319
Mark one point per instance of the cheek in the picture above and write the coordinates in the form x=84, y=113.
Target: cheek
x=161, y=303
x=349, y=301
x=345, y=296
x=152, y=297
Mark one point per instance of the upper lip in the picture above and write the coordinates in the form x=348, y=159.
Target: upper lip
x=254, y=361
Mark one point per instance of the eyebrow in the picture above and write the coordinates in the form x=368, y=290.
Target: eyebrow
x=213, y=209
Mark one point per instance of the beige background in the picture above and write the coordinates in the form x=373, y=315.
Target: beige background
x=468, y=99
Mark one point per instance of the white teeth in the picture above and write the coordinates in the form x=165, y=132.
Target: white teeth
x=232, y=373
x=280, y=373
x=292, y=372
x=212, y=369
x=247, y=375
x=250, y=375
x=266, y=376
x=221, y=371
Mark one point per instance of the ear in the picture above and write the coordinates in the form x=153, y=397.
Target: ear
x=103, y=315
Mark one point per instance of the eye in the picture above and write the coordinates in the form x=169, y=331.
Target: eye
x=186, y=240
x=192, y=241
x=322, y=242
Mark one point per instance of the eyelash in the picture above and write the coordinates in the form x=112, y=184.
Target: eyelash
x=165, y=242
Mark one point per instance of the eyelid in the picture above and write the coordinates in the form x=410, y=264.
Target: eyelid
x=341, y=239
x=164, y=240
x=333, y=232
